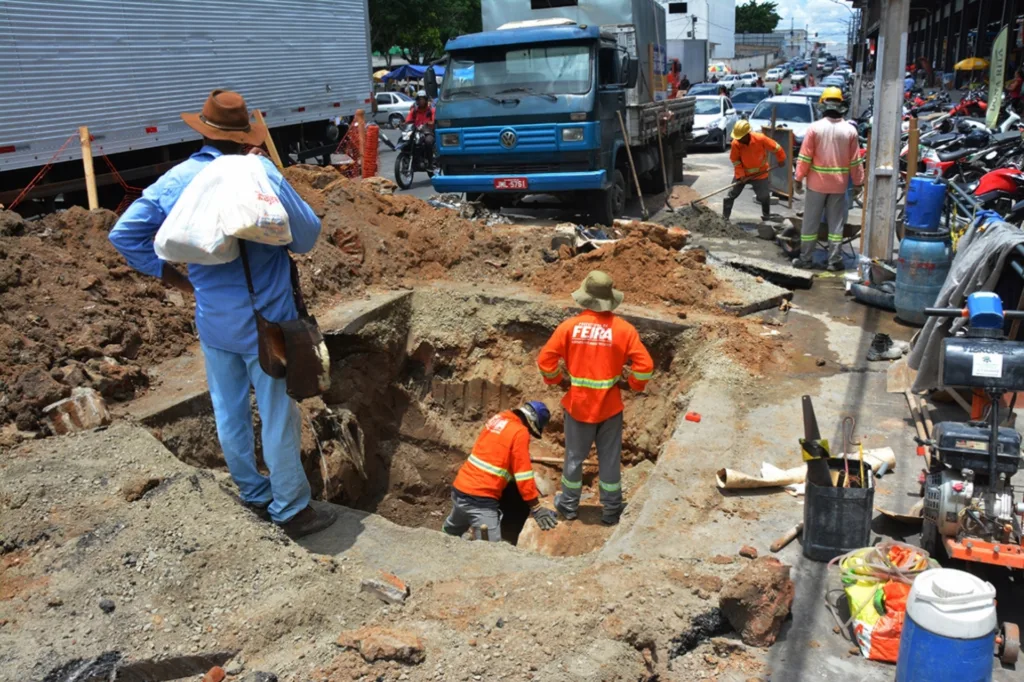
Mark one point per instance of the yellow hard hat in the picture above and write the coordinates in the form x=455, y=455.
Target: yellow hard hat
x=741, y=129
x=831, y=93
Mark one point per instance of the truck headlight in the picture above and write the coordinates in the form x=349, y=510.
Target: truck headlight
x=449, y=139
x=572, y=134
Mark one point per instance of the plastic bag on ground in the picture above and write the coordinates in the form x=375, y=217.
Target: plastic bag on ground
x=230, y=199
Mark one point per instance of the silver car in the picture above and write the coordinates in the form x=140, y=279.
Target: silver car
x=392, y=108
x=713, y=121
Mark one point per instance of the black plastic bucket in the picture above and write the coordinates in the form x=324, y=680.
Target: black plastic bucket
x=837, y=520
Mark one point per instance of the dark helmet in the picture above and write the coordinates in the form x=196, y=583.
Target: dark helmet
x=977, y=139
x=536, y=415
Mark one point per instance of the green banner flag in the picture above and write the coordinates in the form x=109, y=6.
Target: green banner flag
x=996, y=76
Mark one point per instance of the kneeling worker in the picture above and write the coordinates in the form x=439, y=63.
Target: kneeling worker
x=749, y=156
x=501, y=453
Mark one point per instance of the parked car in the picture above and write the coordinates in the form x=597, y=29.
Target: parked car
x=713, y=120
x=392, y=108
x=745, y=99
x=798, y=78
x=821, y=62
x=791, y=111
x=836, y=81
x=775, y=74
x=704, y=89
x=748, y=80
x=730, y=81
x=812, y=94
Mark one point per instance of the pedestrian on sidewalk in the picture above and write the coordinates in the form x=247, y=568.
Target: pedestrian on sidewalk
x=829, y=158
x=226, y=321
x=749, y=156
x=594, y=355
x=500, y=455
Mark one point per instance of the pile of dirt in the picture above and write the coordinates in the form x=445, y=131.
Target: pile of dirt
x=370, y=238
x=704, y=221
x=72, y=313
x=647, y=273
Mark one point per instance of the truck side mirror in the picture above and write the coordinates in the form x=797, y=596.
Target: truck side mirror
x=430, y=83
x=631, y=72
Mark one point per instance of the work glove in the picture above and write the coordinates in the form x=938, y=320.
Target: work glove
x=544, y=517
x=799, y=185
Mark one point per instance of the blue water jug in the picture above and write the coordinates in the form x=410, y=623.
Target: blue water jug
x=949, y=630
x=924, y=204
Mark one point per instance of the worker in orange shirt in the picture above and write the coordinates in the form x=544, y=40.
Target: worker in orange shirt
x=600, y=353
x=500, y=455
x=749, y=156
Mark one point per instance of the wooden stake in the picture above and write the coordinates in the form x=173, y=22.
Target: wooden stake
x=360, y=121
x=788, y=537
x=912, y=148
x=915, y=414
x=271, y=147
x=90, y=173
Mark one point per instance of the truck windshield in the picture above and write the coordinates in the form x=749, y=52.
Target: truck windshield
x=541, y=70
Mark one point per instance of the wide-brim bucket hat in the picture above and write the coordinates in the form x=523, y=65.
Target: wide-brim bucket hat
x=225, y=117
x=598, y=293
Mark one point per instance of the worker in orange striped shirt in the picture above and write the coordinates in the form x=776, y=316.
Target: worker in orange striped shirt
x=600, y=353
x=500, y=455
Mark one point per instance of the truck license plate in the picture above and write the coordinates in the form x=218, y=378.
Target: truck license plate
x=511, y=183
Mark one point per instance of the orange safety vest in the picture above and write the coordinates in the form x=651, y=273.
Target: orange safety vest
x=595, y=348
x=751, y=160
x=501, y=454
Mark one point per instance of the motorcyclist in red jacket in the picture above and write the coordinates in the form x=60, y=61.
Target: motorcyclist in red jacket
x=422, y=112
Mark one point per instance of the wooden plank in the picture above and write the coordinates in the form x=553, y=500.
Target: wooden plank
x=271, y=147
x=913, y=137
x=90, y=173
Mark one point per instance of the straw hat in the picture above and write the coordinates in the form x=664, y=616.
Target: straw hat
x=225, y=117
x=597, y=293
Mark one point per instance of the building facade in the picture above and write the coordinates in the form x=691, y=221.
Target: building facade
x=944, y=32
x=710, y=20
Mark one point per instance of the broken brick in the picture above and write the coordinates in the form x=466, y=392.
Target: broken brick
x=757, y=600
x=215, y=674
x=136, y=489
x=83, y=411
x=748, y=552
x=384, y=644
x=389, y=588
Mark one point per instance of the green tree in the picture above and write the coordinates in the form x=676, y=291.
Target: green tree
x=420, y=28
x=757, y=17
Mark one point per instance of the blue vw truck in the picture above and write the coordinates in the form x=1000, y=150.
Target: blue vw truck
x=561, y=101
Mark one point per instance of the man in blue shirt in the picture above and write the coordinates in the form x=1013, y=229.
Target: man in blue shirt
x=908, y=82
x=226, y=322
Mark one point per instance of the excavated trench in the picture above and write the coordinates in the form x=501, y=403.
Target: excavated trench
x=413, y=383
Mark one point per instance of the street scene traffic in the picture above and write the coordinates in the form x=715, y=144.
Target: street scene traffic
x=511, y=340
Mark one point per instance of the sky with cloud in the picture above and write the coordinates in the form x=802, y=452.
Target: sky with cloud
x=829, y=19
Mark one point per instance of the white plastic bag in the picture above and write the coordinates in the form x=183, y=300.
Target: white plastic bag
x=230, y=199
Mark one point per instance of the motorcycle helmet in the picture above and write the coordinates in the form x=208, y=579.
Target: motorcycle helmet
x=976, y=139
x=963, y=127
x=421, y=93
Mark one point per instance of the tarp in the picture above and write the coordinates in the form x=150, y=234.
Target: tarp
x=412, y=71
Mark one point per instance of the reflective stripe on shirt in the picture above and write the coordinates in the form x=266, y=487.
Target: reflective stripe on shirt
x=489, y=468
x=599, y=384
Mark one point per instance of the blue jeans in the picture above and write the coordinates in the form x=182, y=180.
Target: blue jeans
x=229, y=376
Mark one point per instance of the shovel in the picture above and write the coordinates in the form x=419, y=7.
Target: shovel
x=717, y=191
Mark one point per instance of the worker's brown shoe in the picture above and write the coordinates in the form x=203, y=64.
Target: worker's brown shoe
x=309, y=521
x=260, y=510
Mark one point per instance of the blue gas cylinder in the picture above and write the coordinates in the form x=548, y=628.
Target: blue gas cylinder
x=921, y=270
x=924, y=204
x=949, y=630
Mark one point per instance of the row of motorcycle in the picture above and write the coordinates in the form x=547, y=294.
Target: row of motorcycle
x=955, y=143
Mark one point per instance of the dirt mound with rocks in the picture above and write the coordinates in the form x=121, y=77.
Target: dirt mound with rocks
x=72, y=313
x=704, y=221
x=646, y=271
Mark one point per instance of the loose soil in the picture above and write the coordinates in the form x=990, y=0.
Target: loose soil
x=704, y=221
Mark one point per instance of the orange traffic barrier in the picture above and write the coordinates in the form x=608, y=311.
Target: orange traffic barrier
x=370, y=150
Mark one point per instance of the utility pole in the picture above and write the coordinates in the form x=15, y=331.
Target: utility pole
x=883, y=173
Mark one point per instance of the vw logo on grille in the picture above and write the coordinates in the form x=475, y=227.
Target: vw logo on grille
x=508, y=139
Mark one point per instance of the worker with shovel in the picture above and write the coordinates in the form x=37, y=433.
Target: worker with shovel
x=600, y=353
x=829, y=159
x=749, y=156
x=501, y=454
